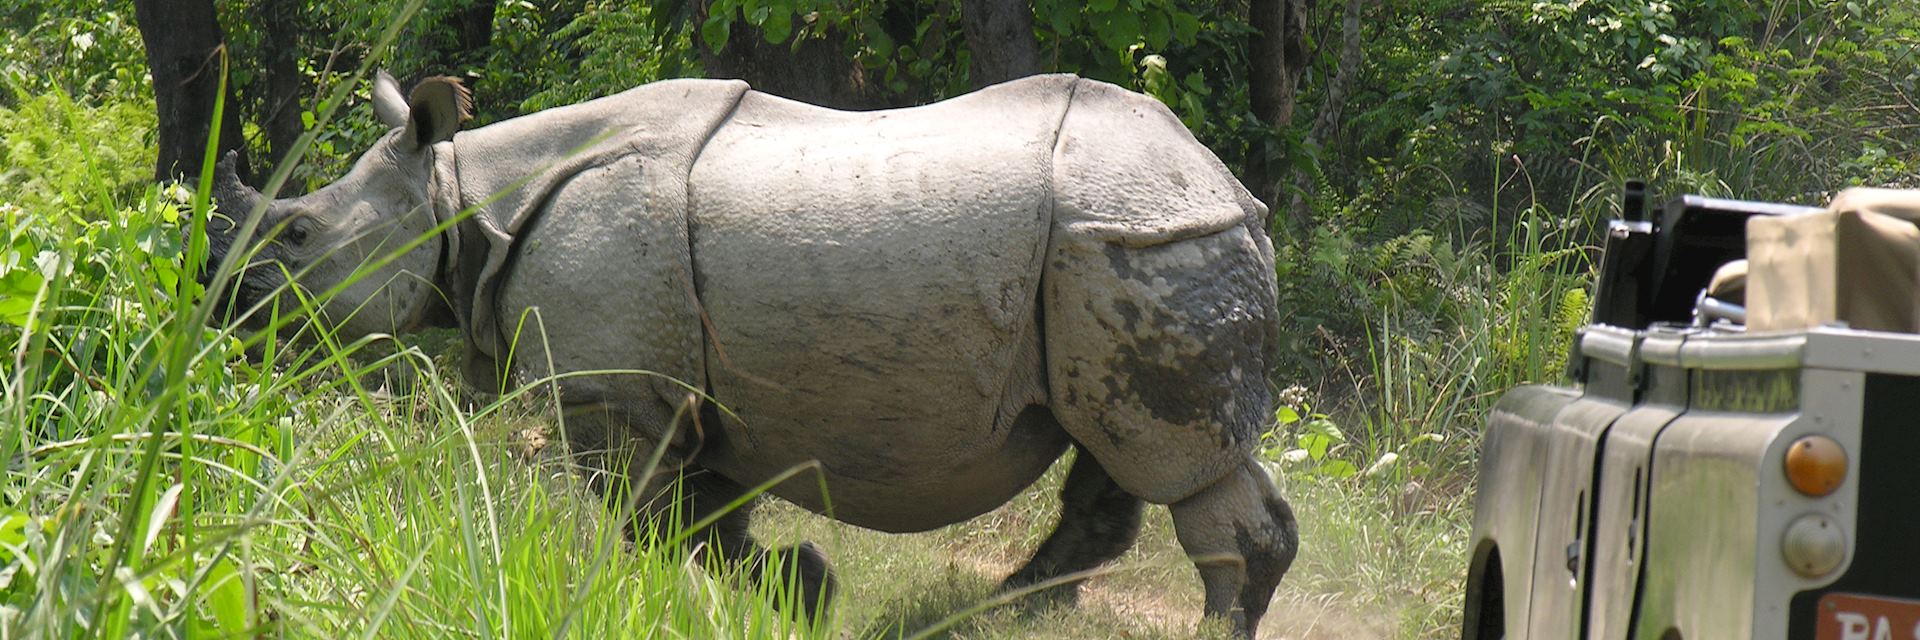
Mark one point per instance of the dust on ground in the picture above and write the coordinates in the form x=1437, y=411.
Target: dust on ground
x=1175, y=609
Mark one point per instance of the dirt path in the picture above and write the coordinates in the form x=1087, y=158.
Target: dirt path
x=1177, y=611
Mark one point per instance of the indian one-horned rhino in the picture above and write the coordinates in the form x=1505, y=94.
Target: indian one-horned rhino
x=933, y=303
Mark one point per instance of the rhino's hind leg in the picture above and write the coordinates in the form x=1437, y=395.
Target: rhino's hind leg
x=1242, y=537
x=1098, y=522
x=1157, y=361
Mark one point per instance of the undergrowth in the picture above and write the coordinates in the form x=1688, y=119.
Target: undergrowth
x=166, y=477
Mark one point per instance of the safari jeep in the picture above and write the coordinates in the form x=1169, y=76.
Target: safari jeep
x=1737, y=454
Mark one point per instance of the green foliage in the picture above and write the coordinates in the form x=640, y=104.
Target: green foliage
x=912, y=47
x=1317, y=441
x=1483, y=147
x=617, y=46
x=1410, y=340
x=1100, y=39
x=59, y=155
x=1530, y=104
x=170, y=478
x=76, y=47
x=1189, y=55
x=97, y=352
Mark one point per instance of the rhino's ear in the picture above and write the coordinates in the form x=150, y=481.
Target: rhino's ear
x=388, y=104
x=435, y=110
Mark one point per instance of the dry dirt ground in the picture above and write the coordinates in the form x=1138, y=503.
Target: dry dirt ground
x=1175, y=609
x=895, y=583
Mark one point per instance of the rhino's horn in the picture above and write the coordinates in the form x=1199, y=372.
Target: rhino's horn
x=234, y=197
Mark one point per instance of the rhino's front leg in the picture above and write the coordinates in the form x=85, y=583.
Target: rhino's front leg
x=797, y=572
x=675, y=494
x=1098, y=522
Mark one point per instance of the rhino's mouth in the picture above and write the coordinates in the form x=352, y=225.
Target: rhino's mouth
x=240, y=303
x=237, y=301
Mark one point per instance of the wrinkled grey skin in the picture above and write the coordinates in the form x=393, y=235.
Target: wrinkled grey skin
x=929, y=304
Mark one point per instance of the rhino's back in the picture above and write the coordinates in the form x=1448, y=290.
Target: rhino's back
x=871, y=277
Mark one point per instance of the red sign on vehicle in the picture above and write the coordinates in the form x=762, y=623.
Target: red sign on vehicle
x=1851, y=617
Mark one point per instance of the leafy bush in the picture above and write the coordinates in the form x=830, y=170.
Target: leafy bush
x=78, y=48
x=1408, y=341
x=61, y=156
x=619, y=47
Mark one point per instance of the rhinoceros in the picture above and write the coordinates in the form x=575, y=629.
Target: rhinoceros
x=932, y=304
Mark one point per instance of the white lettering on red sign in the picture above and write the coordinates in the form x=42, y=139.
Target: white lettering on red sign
x=1856, y=626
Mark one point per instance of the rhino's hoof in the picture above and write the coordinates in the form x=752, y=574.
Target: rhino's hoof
x=1057, y=595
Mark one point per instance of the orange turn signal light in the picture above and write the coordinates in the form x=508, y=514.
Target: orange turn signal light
x=1816, y=465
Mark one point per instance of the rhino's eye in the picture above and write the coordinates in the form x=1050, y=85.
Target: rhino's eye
x=296, y=233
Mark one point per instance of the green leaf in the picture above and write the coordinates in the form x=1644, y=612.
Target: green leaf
x=1337, y=469
x=1100, y=6
x=778, y=27
x=1065, y=15
x=1287, y=415
x=1158, y=30
x=167, y=272
x=877, y=39
x=715, y=32
x=758, y=15
x=1185, y=26
x=17, y=292
x=1197, y=83
x=13, y=533
x=1316, y=444
x=226, y=598
x=23, y=283
x=1119, y=31
x=1319, y=435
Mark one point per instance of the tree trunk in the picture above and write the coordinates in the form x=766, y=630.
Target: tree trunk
x=1000, y=37
x=1328, y=119
x=475, y=26
x=282, y=22
x=183, y=41
x=1278, y=57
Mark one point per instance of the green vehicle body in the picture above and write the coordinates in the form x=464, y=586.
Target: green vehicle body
x=1648, y=497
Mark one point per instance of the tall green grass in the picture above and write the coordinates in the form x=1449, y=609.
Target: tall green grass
x=167, y=478
x=159, y=482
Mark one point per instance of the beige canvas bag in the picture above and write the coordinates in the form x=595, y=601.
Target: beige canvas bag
x=1857, y=263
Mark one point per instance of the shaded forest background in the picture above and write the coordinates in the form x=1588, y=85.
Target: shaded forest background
x=1437, y=168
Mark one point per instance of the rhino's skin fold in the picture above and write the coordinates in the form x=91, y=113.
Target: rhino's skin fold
x=933, y=303
x=616, y=168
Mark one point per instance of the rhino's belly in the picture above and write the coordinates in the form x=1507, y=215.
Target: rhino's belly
x=869, y=281
x=926, y=494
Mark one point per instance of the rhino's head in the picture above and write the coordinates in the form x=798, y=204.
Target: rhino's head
x=337, y=236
